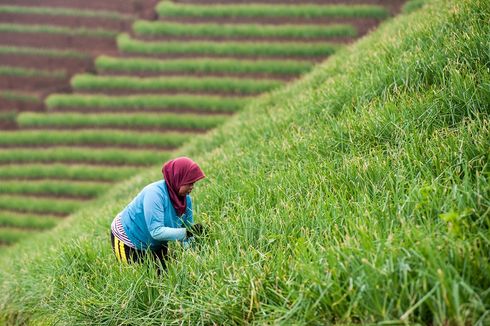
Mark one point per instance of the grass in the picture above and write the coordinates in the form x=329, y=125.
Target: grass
x=110, y=156
x=54, y=11
x=53, y=188
x=30, y=51
x=145, y=102
x=282, y=49
x=186, y=84
x=149, y=28
x=168, y=9
x=39, y=205
x=119, y=120
x=58, y=30
x=66, y=172
x=27, y=221
x=30, y=72
x=92, y=138
x=359, y=195
x=133, y=65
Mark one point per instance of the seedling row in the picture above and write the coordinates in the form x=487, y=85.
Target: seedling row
x=66, y=172
x=120, y=120
x=57, y=11
x=53, y=188
x=26, y=221
x=149, y=28
x=41, y=29
x=247, y=49
x=202, y=65
x=191, y=84
x=170, y=9
x=93, y=138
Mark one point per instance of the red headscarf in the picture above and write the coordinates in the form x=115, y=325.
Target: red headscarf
x=177, y=173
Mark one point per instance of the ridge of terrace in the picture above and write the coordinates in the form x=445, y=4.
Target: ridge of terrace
x=92, y=92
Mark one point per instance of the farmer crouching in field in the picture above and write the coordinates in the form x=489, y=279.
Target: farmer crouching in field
x=161, y=212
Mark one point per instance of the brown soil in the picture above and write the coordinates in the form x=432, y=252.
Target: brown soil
x=141, y=8
x=71, y=65
x=68, y=21
x=40, y=84
x=88, y=44
x=6, y=104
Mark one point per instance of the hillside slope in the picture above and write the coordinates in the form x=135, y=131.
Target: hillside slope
x=359, y=194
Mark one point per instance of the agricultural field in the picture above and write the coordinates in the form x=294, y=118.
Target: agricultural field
x=356, y=195
x=92, y=92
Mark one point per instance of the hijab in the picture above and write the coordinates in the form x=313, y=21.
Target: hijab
x=177, y=173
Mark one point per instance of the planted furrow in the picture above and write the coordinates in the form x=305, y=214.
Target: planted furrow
x=207, y=84
x=34, y=51
x=53, y=188
x=145, y=102
x=110, y=156
x=54, y=11
x=118, y=120
x=25, y=72
x=170, y=9
x=27, y=221
x=155, y=29
x=66, y=172
x=204, y=66
x=246, y=49
x=55, y=206
x=92, y=138
x=9, y=236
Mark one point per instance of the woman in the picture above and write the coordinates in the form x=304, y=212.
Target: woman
x=161, y=212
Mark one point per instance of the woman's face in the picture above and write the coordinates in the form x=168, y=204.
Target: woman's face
x=186, y=189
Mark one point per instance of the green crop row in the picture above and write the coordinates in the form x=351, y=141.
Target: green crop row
x=53, y=188
x=30, y=72
x=53, y=11
x=92, y=137
x=83, y=155
x=208, y=84
x=140, y=102
x=131, y=65
x=10, y=236
x=80, y=32
x=65, y=172
x=19, y=96
x=118, y=120
x=284, y=49
x=16, y=50
x=22, y=220
x=39, y=205
x=150, y=28
x=169, y=9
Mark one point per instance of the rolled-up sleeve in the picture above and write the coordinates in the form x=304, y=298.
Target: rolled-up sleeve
x=154, y=215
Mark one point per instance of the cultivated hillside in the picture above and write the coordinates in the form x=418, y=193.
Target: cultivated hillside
x=358, y=194
x=91, y=93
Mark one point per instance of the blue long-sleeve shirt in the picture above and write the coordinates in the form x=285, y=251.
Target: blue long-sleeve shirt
x=150, y=220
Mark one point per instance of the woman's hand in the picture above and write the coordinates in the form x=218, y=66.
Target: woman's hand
x=197, y=230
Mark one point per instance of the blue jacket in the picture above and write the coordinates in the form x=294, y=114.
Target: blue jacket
x=150, y=220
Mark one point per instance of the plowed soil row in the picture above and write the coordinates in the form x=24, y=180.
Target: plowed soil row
x=87, y=44
x=39, y=84
x=8, y=105
x=68, y=21
x=70, y=65
x=142, y=8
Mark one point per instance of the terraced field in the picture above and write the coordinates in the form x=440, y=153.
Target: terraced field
x=91, y=92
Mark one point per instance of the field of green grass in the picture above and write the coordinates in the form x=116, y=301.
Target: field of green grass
x=357, y=195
